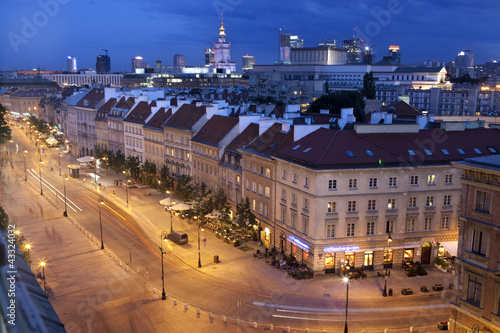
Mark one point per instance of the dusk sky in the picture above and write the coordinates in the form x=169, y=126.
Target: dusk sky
x=424, y=29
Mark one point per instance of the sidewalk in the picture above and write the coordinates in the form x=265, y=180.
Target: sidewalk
x=145, y=203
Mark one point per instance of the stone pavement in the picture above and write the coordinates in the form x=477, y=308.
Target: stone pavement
x=89, y=284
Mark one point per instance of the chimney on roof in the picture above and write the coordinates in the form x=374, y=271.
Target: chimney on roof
x=285, y=127
x=324, y=111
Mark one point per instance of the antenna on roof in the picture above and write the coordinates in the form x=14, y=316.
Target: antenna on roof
x=105, y=50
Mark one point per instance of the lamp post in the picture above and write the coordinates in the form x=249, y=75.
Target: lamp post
x=199, y=248
x=24, y=156
x=42, y=263
x=101, y=202
x=59, y=155
x=65, y=203
x=28, y=247
x=386, y=264
x=346, y=280
x=40, y=172
x=171, y=204
x=163, y=237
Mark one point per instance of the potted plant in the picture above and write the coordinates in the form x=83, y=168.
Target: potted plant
x=437, y=287
x=443, y=325
x=411, y=272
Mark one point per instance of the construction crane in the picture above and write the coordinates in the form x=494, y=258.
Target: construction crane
x=105, y=50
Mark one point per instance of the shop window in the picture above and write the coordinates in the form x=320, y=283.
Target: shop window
x=349, y=259
x=329, y=263
x=388, y=258
x=408, y=254
x=474, y=288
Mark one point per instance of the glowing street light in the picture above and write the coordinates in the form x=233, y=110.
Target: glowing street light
x=101, y=202
x=386, y=264
x=346, y=281
x=42, y=263
x=28, y=247
x=24, y=156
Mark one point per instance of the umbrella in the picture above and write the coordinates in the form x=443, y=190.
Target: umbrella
x=181, y=206
x=166, y=202
x=85, y=159
x=214, y=215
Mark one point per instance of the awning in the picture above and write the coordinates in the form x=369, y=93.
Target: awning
x=451, y=247
x=85, y=159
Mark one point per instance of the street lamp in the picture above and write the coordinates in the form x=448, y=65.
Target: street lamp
x=171, y=204
x=199, y=248
x=386, y=264
x=40, y=172
x=24, y=156
x=28, y=247
x=59, y=155
x=163, y=238
x=65, y=203
x=42, y=263
x=346, y=281
x=101, y=202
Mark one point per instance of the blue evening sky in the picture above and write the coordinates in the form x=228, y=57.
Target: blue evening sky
x=40, y=33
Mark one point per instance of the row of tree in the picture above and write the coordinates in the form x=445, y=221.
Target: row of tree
x=5, y=131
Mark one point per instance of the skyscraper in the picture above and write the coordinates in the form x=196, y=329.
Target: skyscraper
x=179, y=62
x=209, y=57
x=395, y=54
x=103, y=64
x=158, y=67
x=464, y=64
x=71, y=64
x=222, y=51
x=368, y=55
x=247, y=64
x=329, y=43
x=354, y=48
x=288, y=42
x=137, y=63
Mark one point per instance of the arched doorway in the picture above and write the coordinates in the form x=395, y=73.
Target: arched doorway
x=426, y=253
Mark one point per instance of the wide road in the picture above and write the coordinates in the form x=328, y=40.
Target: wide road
x=134, y=238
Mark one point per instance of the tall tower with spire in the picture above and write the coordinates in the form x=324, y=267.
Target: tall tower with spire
x=222, y=51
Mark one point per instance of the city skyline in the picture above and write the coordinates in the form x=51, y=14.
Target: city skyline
x=43, y=33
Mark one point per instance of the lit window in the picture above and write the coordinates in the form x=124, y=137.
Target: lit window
x=332, y=207
x=429, y=201
x=391, y=203
x=431, y=179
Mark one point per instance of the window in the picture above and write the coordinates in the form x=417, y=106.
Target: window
x=268, y=173
x=445, y=223
x=283, y=174
x=248, y=183
x=483, y=201
x=305, y=225
x=445, y=152
x=261, y=171
x=283, y=194
x=283, y=214
x=369, y=153
x=412, y=202
x=410, y=225
x=261, y=208
x=306, y=182
x=254, y=187
x=414, y=180
x=389, y=227
x=353, y=184
x=332, y=207
x=461, y=151
x=428, y=152
x=223, y=174
x=391, y=203
x=261, y=189
x=429, y=202
x=448, y=179
x=294, y=199
x=478, y=242
x=332, y=184
x=474, y=287
x=294, y=178
x=306, y=203
x=492, y=150
x=411, y=152
x=428, y=224
x=393, y=181
x=370, y=228
x=349, y=153
x=293, y=220
x=351, y=206
x=350, y=229
x=478, y=151
x=330, y=231
x=267, y=192
x=372, y=204
x=431, y=179
x=373, y=182
x=254, y=205
x=447, y=200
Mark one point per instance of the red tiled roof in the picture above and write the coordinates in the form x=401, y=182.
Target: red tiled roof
x=125, y=103
x=159, y=118
x=31, y=93
x=402, y=109
x=92, y=98
x=245, y=137
x=140, y=113
x=108, y=105
x=271, y=141
x=327, y=148
x=186, y=116
x=215, y=129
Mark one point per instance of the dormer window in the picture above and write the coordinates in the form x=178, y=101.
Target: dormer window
x=479, y=152
x=411, y=152
x=349, y=153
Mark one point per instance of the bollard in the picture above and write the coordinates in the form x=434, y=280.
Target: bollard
x=271, y=327
x=154, y=290
x=238, y=321
x=386, y=330
x=185, y=306
x=254, y=324
x=175, y=302
x=198, y=311
x=224, y=319
x=288, y=329
x=411, y=328
x=210, y=315
x=307, y=330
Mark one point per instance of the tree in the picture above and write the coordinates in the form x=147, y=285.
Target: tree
x=148, y=173
x=336, y=101
x=4, y=219
x=5, y=131
x=117, y=161
x=245, y=217
x=369, y=86
x=133, y=166
x=183, y=188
